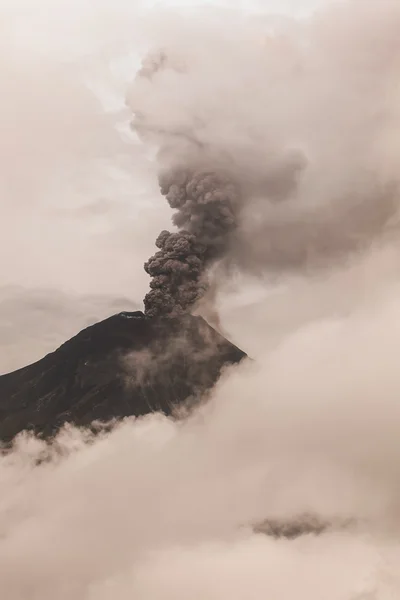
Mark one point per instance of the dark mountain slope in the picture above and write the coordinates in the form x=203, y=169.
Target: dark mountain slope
x=126, y=365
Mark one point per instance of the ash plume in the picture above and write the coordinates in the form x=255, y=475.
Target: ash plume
x=205, y=216
x=204, y=200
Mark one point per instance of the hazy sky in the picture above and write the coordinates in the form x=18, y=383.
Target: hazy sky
x=291, y=7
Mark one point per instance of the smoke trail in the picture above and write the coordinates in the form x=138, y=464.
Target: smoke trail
x=205, y=216
x=205, y=202
x=207, y=198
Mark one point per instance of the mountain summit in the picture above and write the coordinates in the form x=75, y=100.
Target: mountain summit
x=128, y=364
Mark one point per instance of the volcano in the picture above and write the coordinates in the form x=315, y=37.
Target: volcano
x=126, y=365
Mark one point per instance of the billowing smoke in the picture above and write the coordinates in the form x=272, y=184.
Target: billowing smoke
x=205, y=202
x=205, y=216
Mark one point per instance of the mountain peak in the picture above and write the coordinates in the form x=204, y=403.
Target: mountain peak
x=128, y=364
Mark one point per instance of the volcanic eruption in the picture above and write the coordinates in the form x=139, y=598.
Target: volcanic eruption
x=205, y=216
x=134, y=363
x=205, y=200
x=276, y=157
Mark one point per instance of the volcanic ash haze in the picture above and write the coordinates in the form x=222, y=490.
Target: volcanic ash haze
x=302, y=117
x=301, y=124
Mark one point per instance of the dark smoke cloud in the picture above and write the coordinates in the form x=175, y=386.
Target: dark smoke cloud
x=204, y=200
x=205, y=216
x=208, y=201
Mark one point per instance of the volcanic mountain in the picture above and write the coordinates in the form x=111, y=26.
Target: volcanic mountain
x=128, y=364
